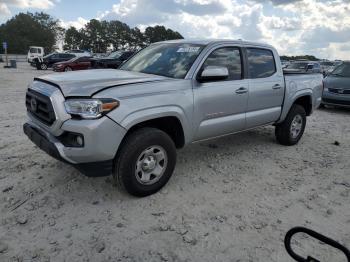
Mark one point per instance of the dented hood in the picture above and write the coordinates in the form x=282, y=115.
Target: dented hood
x=86, y=83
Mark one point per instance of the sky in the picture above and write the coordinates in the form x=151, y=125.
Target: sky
x=294, y=27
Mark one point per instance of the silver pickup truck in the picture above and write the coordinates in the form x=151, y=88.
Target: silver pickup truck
x=130, y=121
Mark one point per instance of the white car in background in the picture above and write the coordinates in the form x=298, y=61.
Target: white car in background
x=78, y=53
x=35, y=52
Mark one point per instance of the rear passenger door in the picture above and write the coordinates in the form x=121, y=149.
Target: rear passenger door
x=220, y=105
x=266, y=87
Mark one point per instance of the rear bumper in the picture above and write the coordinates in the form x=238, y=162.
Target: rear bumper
x=102, y=138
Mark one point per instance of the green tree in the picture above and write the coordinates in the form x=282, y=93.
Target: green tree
x=94, y=36
x=97, y=36
x=73, y=38
x=24, y=30
x=160, y=33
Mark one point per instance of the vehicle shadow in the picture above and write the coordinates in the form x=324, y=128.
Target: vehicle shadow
x=336, y=109
x=189, y=158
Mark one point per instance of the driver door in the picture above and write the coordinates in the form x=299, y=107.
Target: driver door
x=220, y=106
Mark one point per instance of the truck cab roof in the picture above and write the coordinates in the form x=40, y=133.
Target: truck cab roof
x=218, y=41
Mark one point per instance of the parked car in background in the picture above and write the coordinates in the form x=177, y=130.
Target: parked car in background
x=34, y=52
x=114, y=60
x=78, y=53
x=170, y=94
x=336, y=89
x=327, y=67
x=303, y=67
x=48, y=61
x=76, y=63
x=285, y=63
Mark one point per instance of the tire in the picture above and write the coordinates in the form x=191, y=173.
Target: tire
x=138, y=154
x=43, y=66
x=68, y=69
x=285, y=133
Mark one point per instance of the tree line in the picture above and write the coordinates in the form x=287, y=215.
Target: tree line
x=41, y=29
x=98, y=36
x=300, y=57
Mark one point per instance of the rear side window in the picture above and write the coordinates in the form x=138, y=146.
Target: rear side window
x=66, y=56
x=229, y=57
x=261, y=63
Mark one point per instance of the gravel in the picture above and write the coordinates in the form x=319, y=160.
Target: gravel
x=230, y=199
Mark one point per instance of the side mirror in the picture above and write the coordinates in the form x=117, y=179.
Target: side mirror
x=309, y=67
x=213, y=73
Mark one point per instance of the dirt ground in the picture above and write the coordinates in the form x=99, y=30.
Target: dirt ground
x=230, y=199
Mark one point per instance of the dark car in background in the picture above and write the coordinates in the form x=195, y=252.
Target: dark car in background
x=76, y=63
x=303, y=67
x=114, y=60
x=336, y=85
x=49, y=60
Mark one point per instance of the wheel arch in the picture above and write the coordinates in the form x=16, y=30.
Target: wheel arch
x=173, y=123
x=303, y=98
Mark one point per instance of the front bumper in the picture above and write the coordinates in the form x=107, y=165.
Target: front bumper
x=102, y=138
x=329, y=98
x=58, y=69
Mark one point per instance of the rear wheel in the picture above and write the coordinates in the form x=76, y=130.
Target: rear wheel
x=145, y=162
x=67, y=69
x=292, y=128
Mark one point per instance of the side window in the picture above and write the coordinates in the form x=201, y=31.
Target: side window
x=84, y=59
x=261, y=63
x=66, y=56
x=229, y=57
x=39, y=51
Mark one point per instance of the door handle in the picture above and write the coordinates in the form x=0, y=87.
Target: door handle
x=276, y=86
x=241, y=90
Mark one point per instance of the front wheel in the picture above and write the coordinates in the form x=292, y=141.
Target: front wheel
x=67, y=69
x=43, y=66
x=292, y=128
x=145, y=161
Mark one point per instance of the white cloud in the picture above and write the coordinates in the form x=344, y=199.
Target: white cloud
x=5, y=6
x=78, y=24
x=23, y=4
x=318, y=27
x=4, y=10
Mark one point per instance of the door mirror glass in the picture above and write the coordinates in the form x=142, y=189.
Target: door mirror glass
x=213, y=73
x=309, y=67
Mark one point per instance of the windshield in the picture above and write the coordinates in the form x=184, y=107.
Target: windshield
x=298, y=66
x=47, y=56
x=115, y=54
x=171, y=60
x=327, y=63
x=342, y=70
x=33, y=50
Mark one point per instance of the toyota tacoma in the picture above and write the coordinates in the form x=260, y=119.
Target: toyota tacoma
x=129, y=122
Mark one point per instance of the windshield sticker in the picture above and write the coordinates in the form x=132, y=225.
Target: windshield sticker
x=191, y=49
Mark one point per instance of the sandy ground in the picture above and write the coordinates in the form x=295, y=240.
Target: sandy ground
x=230, y=199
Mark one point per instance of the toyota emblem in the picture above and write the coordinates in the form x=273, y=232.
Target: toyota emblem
x=33, y=104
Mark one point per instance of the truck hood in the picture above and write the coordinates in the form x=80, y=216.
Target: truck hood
x=86, y=83
x=337, y=82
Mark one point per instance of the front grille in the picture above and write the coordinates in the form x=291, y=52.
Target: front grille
x=40, y=107
x=336, y=102
x=339, y=91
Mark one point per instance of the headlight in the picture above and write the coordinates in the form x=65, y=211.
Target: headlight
x=90, y=108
